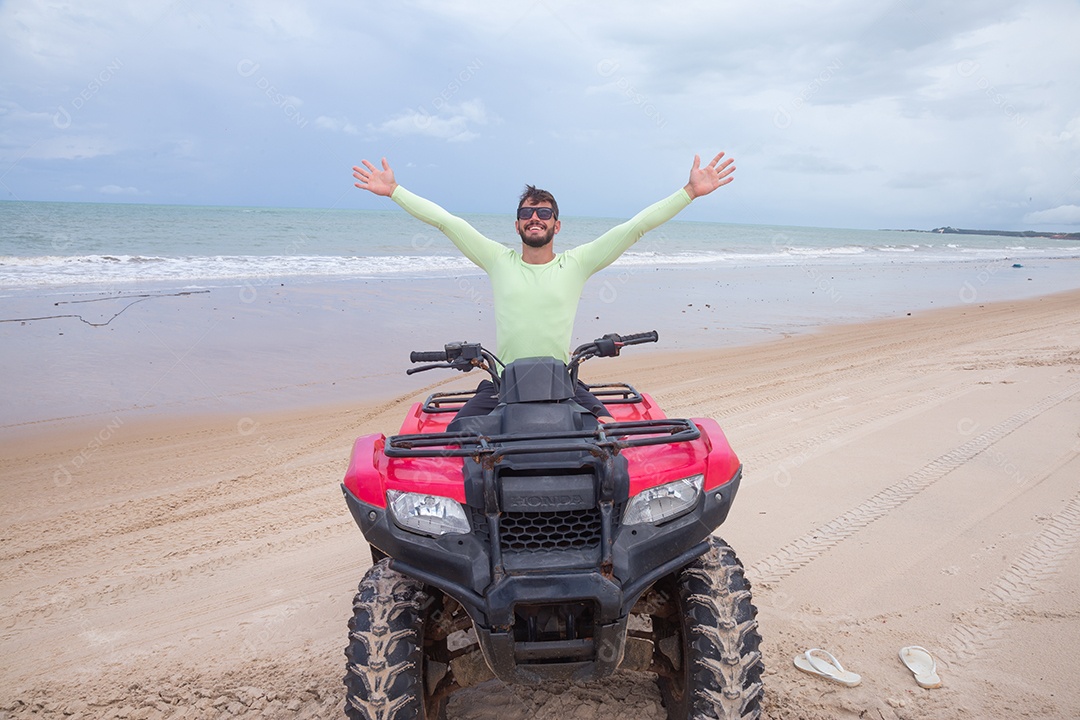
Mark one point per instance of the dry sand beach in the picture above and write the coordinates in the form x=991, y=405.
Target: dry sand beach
x=912, y=481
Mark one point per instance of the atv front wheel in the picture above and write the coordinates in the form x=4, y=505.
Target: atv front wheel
x=386, y=674
x=717, y=664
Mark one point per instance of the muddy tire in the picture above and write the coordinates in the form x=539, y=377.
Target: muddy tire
x=718, y=668
x=385, y=665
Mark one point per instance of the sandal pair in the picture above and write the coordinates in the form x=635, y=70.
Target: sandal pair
x=822, y=663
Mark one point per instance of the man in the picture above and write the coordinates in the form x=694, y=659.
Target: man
x=536, y=291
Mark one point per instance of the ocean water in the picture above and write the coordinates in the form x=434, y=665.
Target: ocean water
x=112, y=310
x=126, y=246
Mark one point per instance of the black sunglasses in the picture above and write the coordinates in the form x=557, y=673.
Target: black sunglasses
x=524, y=213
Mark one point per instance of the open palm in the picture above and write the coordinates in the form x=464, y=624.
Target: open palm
x=380, y=182
x=703, y=180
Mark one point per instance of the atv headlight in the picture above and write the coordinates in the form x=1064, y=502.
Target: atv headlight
x=427, y=514
x=663, y=502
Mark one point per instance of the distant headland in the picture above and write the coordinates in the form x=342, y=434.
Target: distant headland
x=1004, y=233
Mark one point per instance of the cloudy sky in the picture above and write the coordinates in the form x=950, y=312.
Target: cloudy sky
x=839, y=113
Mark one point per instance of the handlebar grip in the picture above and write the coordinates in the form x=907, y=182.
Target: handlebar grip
x=432, y=356
x=645, y=337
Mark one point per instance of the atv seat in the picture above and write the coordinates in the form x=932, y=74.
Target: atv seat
x=485, y=425
x=526, y=418
x=545, y=417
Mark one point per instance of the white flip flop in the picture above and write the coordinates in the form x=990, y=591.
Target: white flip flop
x=816, y=661
x=922, y=664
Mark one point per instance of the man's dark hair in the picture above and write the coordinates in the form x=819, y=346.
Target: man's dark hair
x=536, y=196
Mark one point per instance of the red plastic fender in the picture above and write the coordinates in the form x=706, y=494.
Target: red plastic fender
x=722, y=462
x=364, y=478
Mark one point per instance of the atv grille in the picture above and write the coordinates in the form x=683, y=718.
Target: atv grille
x=554, y=530
x=546, y=530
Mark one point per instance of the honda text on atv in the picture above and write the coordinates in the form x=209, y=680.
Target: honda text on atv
x=536, y=544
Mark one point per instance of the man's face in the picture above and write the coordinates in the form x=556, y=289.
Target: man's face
x=535, y=232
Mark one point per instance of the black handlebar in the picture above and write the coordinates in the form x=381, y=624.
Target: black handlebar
x=638, y=338
x=610, y=345
x=466, y=356
x=432, y=356
x=463, y=356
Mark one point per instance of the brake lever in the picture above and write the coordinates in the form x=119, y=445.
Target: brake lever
x=422, y=368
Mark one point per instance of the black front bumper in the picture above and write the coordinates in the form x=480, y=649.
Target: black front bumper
x=462, y=567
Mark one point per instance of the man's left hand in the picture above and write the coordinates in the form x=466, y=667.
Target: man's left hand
x=703, y=180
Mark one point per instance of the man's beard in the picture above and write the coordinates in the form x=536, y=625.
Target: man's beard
x=537, y=242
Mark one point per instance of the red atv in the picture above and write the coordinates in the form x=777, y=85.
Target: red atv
x=535, y=543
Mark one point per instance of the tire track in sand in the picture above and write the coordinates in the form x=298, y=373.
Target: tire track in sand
x=804, y=550
x=842, y=428
x=1024, y=581
x=766, y=387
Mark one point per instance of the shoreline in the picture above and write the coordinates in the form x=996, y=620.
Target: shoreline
x=395, y=388
x=1006, y=233
x=644, y=357
x=284, y=345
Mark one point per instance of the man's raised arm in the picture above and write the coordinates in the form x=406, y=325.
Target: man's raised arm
x=605, y=249
x=479, y=249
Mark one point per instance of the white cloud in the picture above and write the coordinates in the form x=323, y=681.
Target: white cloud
x=1061, y=215
x=1070, y=136
x=118, y=190
x=336, y=125
x=452, y=122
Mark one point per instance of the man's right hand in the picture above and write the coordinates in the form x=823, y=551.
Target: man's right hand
x=380, y=182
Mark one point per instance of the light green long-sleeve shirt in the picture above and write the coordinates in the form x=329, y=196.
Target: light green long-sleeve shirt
x=535, y=305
